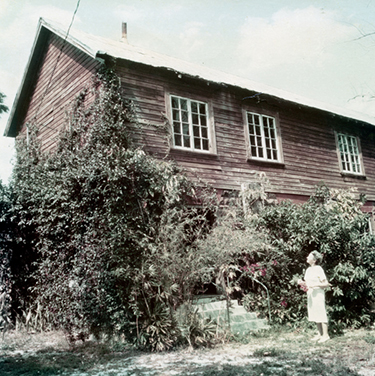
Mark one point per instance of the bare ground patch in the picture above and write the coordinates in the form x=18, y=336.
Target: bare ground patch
x=275, y=352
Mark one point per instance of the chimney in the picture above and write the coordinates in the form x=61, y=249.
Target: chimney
x=124, y=33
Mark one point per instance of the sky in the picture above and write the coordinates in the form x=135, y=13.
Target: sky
x=319, y=49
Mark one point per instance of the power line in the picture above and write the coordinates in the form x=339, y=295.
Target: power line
x=55, y=66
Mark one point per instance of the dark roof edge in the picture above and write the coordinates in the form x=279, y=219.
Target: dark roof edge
x=18, y=109
x=25, y=87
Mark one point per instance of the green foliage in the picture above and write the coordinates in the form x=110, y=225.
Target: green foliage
x=157, y=330
x=331, y=222
x=5, y=257
x=195, y=329
x=233, y=244
x=108, y=231
x=261, y=246
x=370, y=339
x=3, y=107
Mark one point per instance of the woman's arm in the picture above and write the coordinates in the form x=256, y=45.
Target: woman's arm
x=303, y=285
x=324, y=284
x=323, y=281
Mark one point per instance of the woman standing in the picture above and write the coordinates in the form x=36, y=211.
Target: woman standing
x=315, y=282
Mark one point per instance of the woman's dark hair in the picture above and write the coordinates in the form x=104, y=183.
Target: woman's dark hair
x=317, y=256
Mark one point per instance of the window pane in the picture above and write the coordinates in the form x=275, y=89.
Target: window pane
x=176, y=128
x=177, y=140
x=185, y=128
x=176, y=115
x=183, y=104
x=185, y=116
x=174, y=102
x=194, y=107
x=195, y=119
x=187, y=141
x=204, y=132
x=202, y=108
x=258, y=130
x=196, y=131
x=252, y=140
x=205, y=144
x=197, y=143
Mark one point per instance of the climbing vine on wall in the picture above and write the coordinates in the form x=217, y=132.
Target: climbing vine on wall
x=110, y=227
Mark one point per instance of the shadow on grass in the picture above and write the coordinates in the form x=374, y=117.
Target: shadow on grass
x=280, y=368
x=51, y=362
x=106, y=363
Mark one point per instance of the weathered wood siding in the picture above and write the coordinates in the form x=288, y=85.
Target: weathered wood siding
x=307, y=135
x=61, y=77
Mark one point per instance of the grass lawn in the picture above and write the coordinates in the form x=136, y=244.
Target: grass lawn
x=273, y=352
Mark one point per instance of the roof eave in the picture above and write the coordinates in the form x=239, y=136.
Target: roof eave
x=19, y=107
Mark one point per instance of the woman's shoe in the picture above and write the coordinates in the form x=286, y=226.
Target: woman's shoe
x=316, y=338
x=323, y=339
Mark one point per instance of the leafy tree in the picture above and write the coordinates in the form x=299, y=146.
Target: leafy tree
x=3, y=107
x=109, y=229
x=5, y=238
x=5, y=256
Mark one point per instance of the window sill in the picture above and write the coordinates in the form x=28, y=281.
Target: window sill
x=262, y=162
x=201, y=154
x=347, y=176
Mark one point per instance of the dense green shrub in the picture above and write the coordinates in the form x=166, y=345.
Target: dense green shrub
x=263, y=249
x=195, y=330
x=109, y=231
x=5, y=256
x=331, y=222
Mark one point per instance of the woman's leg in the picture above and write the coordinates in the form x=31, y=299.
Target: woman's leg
x=325, y=329
x=320, y=332
x=325, y=336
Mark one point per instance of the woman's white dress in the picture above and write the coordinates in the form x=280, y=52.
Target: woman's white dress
x=316, y=307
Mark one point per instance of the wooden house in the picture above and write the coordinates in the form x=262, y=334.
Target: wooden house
x=223, y=128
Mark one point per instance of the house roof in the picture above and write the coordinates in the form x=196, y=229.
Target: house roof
x=96, y=46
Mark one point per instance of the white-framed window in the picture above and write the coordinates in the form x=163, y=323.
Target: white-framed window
x=349, y=154
x=190, y=122
x=263, y=142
